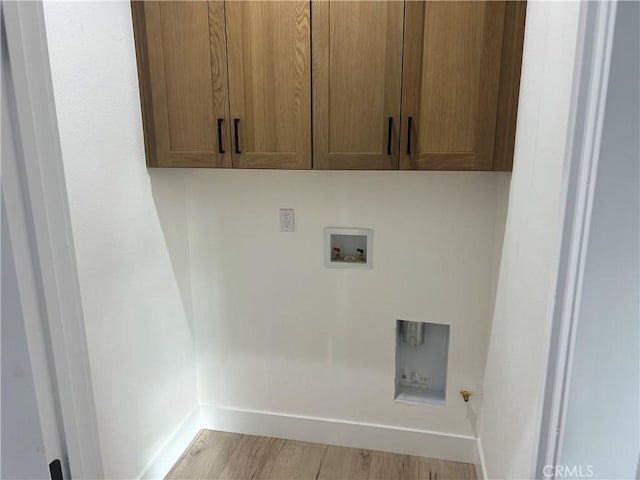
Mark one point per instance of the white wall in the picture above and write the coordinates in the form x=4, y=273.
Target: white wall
x=138, y=322
x=279, y=332
x=509, y=421
x=603, y=424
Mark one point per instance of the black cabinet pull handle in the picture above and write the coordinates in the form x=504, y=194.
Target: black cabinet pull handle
x=409, y=122
x=236, y=121
x=220, y=147
x=389, y=135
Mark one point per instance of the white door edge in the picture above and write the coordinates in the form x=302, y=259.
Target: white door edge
x=589, y=97
x=38, y=211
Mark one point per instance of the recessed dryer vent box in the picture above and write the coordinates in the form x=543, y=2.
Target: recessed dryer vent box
x=348, y=248
x=422, y=351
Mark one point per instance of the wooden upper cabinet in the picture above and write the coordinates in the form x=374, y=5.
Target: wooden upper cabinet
x=413, y=85
x=451, y=83
x=357, y=72
x=182, y=66
x=269, y=48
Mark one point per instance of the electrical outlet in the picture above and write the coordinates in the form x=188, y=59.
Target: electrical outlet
x=286, y=220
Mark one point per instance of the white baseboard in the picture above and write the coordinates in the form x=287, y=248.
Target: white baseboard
x=406, y=441
x=481, y=465
x=175, y=445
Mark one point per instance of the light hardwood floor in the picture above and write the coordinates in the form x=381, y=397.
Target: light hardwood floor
x=233, y=456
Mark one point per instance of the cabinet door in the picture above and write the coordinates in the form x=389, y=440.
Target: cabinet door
x=182, y=65
x=269, y=47
x=451, y=80
x=357, y=72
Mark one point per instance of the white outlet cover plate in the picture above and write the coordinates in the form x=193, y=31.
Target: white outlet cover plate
x=286, y=220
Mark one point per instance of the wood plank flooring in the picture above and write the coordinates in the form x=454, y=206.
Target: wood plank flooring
x=232, y=456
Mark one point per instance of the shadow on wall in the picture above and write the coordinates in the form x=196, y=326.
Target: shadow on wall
x=168, y=187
